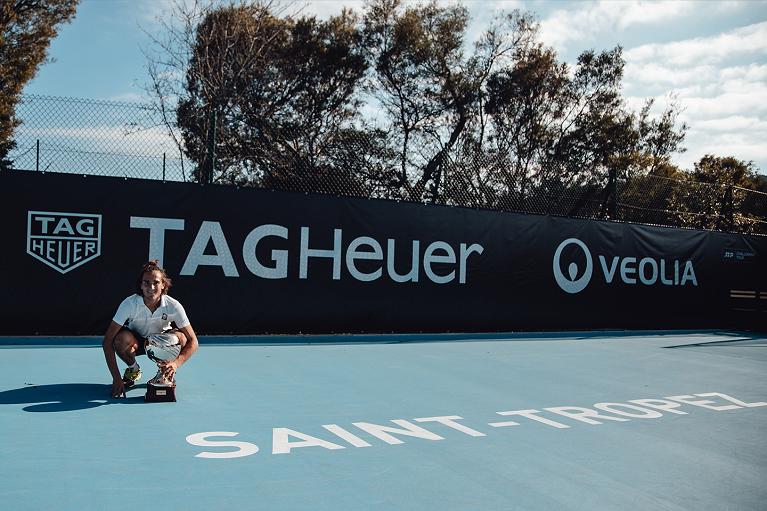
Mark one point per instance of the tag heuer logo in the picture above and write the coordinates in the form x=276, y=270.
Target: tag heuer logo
x=63, y=241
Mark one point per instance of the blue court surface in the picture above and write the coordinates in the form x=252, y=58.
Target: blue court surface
x=656, y=421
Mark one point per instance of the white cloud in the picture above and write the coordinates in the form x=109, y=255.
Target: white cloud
x=586, y=19
x=724, y=104
x=723, y=122
x=653, y=73
x=751, y=72
x=148, y=11
x=323, y=10
x=129, y=97
x=105, y=138
x=491, y=8
x=741, y=146
x=638, y=13
x=732, y=123
x=745, y=40
x=700, y=81
x=705, y=92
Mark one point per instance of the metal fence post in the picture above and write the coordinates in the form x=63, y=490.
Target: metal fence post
x=612, y=197
x=608, y=206
x=727, y=209
x=211, y=157
x=37, y=155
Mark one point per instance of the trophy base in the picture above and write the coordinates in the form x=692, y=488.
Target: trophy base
x=160, y=394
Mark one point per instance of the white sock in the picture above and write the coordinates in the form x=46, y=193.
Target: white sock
x=134, y=366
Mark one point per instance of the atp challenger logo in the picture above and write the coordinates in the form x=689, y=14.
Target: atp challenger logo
x=631, y=270
x=63, y=241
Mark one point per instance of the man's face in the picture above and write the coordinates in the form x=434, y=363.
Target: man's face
x=152, y=285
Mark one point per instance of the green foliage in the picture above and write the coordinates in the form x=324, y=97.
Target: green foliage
x=721, y=193
x=429, y=88
x=551, y=122
x=500, y=124
x=282, y=92
x=421, y=81
x=727, y=171
x=26, y=30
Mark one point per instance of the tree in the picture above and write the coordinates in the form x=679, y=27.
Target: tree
x=26, y=30
x=525, y=101
x=569, y=133
x=281, y=91
x=506, y=125
x=723, y=193
x=197, y=48
x=501, y=123
x=429, y=89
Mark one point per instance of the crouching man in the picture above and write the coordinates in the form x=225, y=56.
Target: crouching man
x=150, y=311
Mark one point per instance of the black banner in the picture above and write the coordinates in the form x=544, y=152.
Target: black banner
x=250, y=261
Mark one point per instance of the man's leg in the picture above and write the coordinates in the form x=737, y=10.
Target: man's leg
x=127, y=345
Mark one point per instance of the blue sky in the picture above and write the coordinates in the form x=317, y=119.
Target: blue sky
x=712, y=55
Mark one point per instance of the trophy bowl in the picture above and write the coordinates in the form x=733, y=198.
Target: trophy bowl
x=163, y=347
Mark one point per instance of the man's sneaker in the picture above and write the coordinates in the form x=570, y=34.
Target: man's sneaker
x=131, y=376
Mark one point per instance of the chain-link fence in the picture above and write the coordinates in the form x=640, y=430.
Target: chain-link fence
x=106, y=138
x=130, y=140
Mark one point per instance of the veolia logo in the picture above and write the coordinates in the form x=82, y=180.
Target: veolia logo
x=569, y=283
x=630, y=270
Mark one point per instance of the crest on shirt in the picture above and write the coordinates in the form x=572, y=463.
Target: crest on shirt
x=63, y=241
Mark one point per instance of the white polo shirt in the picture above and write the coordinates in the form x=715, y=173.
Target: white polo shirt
x=133, y=314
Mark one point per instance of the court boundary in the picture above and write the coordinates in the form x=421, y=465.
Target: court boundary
x=343, y=339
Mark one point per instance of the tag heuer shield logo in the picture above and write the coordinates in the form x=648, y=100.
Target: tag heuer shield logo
x=63, y=241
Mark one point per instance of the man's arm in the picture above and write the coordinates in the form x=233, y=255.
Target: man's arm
x=190, y=347
x=118, y=388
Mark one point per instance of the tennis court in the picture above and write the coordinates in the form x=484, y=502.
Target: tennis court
x=646, y=420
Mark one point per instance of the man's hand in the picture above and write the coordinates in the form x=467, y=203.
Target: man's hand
x=118, y=388
x=169, y=368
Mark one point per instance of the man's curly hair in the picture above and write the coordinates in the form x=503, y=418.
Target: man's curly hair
x=153, y=265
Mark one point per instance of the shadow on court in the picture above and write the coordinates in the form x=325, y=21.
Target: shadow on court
x=64, y=397
x=746, y=341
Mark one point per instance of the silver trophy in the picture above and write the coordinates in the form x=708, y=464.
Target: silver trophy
x=162, y=348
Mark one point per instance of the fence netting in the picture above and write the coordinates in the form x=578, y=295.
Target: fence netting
x=134, y=140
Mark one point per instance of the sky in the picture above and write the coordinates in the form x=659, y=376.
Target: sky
x=710, y=55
